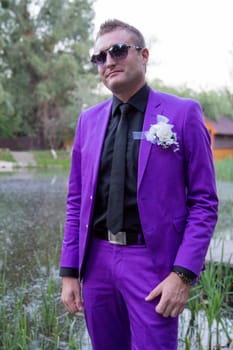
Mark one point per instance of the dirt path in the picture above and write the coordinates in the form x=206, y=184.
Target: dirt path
x=24, y=159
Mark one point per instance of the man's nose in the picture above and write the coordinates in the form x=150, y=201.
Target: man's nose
x=109, y=60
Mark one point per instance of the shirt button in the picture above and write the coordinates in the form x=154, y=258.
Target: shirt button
x=86, y=225
x=91, y=197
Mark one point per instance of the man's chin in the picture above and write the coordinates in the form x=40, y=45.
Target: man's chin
x=115, y=85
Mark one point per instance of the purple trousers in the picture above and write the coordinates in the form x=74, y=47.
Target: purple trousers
x=116, y=281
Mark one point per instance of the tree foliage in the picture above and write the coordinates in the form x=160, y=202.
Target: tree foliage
x=44, y=59
x=214, y=103
x=45, y=74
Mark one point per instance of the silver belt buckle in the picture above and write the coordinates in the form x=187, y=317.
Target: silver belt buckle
x=118, y=238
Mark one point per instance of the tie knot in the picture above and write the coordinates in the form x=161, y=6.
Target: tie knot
x=125, y=108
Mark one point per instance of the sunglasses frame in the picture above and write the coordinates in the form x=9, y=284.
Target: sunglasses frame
x=99, y=58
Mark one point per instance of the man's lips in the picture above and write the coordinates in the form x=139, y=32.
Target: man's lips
x=114, y=72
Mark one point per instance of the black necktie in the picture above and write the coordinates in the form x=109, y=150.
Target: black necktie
x=115, y=210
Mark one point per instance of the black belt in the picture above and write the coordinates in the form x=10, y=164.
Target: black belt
x=121, y=238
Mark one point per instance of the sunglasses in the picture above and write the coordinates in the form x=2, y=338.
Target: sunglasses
x=117, y=52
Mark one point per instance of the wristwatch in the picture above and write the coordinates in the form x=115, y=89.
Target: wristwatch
x=188, y=281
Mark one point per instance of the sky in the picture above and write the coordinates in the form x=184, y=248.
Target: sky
x=190, y=41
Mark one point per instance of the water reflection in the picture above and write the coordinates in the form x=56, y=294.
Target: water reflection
x=32, y=212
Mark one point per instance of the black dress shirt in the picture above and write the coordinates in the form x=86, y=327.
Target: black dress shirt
x=135, y=122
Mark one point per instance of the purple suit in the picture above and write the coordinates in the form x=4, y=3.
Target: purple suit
x=176, y=190
x=177, y=201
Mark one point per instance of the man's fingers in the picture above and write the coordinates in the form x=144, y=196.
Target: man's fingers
x=71, y=294
x=162, y=308
x=174, y=294
x=79, y=304
x=70, y=303
x=166, y=309
x=153, y=294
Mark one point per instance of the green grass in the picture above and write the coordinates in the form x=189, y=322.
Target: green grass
x=45, y=159
x=5, y=155
x=224, y=169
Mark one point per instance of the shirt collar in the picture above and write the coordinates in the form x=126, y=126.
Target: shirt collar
x=138, y=100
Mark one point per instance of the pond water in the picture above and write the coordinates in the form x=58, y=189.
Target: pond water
x=32, y=213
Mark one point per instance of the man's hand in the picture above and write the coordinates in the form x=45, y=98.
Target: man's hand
x=71, y=294
x=174, y=295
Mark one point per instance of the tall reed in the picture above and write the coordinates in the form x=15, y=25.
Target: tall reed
x=32, y=316
x=210, y=308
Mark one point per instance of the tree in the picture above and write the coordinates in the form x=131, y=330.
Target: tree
x=44, y=60
x=214, y=103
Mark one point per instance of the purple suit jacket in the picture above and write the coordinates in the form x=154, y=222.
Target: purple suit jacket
x=176, y=191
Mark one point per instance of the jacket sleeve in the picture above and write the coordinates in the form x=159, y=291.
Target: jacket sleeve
x=202, y=201
x=69, y=261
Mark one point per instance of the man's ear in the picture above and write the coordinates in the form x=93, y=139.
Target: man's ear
x=145, y=55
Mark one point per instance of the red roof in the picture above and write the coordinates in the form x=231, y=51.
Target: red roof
x=224, y=126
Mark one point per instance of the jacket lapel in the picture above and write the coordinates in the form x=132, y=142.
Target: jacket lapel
x=154, y=107
x=101, y=118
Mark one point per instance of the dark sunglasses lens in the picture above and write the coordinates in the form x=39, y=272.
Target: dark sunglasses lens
x=119, y=51
x=99, y=58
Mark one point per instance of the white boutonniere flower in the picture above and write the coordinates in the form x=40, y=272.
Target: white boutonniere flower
x=162, y=134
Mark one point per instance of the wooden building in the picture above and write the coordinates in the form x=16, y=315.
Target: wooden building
x=221, y=133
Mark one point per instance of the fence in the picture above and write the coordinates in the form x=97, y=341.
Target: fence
x=23, y=143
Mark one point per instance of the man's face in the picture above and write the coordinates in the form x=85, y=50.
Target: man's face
x=126, y=76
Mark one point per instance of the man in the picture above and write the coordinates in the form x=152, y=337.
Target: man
x=141, y=207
